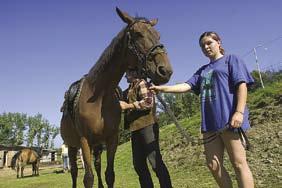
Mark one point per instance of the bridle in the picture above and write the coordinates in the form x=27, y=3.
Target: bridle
x=142, y=57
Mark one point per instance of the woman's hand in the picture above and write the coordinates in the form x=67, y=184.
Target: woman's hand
x=123, y=105
x=237, y=119
x=155, y=88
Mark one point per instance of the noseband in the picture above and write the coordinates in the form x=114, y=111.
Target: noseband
x=142, y=57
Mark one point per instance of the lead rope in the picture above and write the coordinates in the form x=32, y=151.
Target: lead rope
x=171, y=114
x=244, y=139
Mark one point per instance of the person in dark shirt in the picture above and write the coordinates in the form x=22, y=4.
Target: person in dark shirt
x=140, y=117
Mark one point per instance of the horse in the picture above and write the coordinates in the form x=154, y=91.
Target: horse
x=94, y=116
x=25, y=157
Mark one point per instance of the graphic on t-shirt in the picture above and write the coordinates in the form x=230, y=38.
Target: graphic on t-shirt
x=207, y=86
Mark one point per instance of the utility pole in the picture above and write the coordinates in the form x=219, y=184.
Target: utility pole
x=255, y=52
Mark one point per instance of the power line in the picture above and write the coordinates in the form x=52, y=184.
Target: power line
x=254, y=50
x=276, y=66
x=262, y=45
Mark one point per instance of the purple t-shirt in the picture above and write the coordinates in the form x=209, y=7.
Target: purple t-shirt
x=216, y=84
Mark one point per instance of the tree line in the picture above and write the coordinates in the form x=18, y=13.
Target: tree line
x=19, y=128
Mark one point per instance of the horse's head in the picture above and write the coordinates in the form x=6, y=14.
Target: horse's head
x=147, y=53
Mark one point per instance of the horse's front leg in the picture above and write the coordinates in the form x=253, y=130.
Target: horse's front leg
x=97, y=163
x=112, y=144
x=22, y=169
x=72, y=152
x=88, y=179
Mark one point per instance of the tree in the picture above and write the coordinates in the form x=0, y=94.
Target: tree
x=12, y=128
x=31, y=123
x=183, y=105
x=54, y=132
x=191, y=104
x=19, y=122
x=17, y=129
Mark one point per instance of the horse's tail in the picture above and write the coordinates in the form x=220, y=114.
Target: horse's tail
x=14, y=160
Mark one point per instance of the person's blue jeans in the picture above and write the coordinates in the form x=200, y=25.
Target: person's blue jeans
x=65, y=162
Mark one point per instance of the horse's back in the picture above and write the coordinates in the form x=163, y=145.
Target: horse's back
x=28, y=156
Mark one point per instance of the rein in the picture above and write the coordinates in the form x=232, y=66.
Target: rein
x=172, y=116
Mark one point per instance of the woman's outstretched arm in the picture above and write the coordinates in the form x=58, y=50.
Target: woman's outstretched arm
x=177, y=88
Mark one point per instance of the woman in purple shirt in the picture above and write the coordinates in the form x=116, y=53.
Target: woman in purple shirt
x=222, y=86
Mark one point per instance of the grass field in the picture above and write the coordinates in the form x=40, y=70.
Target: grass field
x=185, y=163
x=125, y=175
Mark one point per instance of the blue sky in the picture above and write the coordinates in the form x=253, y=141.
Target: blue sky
x=46, y=45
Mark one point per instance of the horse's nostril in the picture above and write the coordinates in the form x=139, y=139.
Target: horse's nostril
x=161, y=71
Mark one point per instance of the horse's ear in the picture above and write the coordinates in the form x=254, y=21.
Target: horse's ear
x=153, y=22
x=124, y=16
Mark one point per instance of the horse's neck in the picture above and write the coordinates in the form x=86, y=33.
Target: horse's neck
x=110, y=67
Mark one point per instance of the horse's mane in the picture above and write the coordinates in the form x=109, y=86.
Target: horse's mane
x=104, y=60
x=115, y=46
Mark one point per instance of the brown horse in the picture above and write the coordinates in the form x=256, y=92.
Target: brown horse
x=95, y=115
x=25, y=157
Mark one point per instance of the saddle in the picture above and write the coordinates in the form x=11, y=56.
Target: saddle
x=74, y=91
x=70, y=96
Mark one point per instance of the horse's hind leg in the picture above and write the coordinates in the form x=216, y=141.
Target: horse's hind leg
x=111, y=150
x=18, y=170
x=37, y=167
x=72, y=152
x=88, y=179
x=97, y=163
x=22, y=169
x=33, y=169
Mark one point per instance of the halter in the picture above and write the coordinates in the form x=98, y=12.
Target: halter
x=143, y=57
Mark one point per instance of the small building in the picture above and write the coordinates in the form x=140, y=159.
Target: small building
x=7, y=153
x=49, y=156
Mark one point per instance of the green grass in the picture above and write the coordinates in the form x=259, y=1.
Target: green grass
x=185, y=163
x=263, y=97
x=184, y=172
x=125, y=174
x=47, y=179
